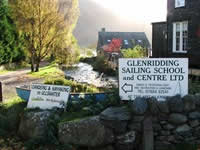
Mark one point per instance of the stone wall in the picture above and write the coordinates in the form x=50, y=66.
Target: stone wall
x=144, y=124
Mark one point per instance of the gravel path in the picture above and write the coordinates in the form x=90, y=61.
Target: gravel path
x=16, y=78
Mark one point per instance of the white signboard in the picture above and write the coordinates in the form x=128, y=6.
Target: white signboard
x=151, y=77
x=48, y=96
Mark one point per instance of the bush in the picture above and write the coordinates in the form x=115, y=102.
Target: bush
x=11, y=44
x=136, y=52
x=10, y=115
x=75, y=87
x=101, y=65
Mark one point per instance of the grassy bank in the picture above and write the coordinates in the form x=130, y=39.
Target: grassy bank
x=51, y=70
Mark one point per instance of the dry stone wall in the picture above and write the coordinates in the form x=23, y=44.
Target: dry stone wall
x=144, y=124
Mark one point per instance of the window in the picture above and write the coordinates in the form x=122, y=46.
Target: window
x=126, y=42
x=179, y=3
x=180, y=37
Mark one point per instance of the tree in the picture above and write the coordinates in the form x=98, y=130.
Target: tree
x=136, y=52
x=114, y=46
x=11, y=45
x=45, y=25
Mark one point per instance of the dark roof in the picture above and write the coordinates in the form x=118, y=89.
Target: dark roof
x=162, y=22
x=130, y=39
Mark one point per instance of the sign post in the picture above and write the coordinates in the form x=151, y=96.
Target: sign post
x=1, y=93
x=149, y=77
x=48, y=96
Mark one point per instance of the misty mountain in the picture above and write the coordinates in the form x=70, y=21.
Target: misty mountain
x=93, y=17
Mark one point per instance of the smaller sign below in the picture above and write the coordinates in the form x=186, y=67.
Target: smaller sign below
x=45, y=96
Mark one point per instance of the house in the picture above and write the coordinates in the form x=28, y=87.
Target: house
x=127, y=40
x=179, y=36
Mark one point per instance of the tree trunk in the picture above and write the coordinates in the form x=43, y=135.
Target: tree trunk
x=32, y=64
x=37, y=65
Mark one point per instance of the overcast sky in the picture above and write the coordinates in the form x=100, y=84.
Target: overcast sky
x=137, y=10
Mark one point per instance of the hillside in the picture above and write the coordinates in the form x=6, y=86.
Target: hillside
x=93, y=17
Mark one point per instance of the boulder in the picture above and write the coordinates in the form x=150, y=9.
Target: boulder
x=116, y=113
x=177, y=119
x=126, y=141
x=116, y=118
x=156, y=127
x=183, y=128
x=168, y=127
x=194, y=123
x=194, y=115
x=89, y=132
x=163, y=107
x=175, y=104
x=135, y=126
x=189, y=103
x=33, y=124
x=139, y=106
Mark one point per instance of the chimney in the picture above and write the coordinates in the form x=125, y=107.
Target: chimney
x=103, y=30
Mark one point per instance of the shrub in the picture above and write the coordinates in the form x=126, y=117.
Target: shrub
x=10, y=115
x=11, y=44
x=101, y=65
x=136, y=52
x=75, y=87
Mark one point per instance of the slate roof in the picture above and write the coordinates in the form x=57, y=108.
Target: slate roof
x=129, y=39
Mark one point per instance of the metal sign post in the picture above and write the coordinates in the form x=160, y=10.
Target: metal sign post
x=1, y=94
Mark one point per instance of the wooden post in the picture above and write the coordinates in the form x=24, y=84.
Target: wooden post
x=1, y=94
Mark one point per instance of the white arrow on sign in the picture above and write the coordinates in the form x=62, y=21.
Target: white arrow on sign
x=127, y=88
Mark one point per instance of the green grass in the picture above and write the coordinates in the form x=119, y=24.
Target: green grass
x=4, y=72
x=47, y=71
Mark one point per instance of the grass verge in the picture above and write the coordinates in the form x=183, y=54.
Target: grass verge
x=47, y=71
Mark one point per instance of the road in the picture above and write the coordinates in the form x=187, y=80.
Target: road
x=15, y=78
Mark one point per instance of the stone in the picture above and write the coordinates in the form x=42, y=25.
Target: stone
x=118, y=127
x=163, y=117
x=166, y=138
x=127, y=138
x=189, y=103
x=175, y=104
x=135, y=126
x=164, y=133
x=156, y=127
x=197, y=99
x=163, y=122
x=194, y=115
x=116, y=113
x=109, y=147
x=168, y=127
x=163, y=145
x=88, y=132
x=183, y=128
x=139, y=106
x=177, y=119
x=163, y=107
x=126, y=141
x=153, y=105
x=137, y=119
x=116, y=118
x=33, y=124
x=194, y=123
